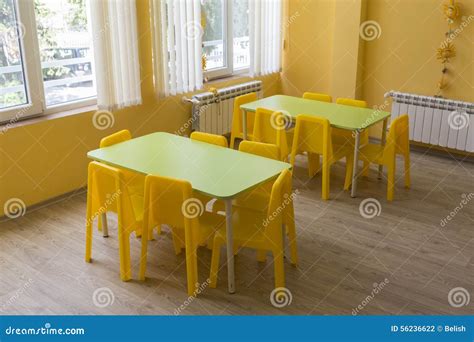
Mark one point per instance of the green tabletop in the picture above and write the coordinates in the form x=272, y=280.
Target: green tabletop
x=216, y=171
x=340, y=116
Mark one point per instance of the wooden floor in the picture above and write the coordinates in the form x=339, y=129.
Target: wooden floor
x=342, y=256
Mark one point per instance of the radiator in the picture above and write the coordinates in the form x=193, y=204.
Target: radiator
x=436, y=121
x=212, y=111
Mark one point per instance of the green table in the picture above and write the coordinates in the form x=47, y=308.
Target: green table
x=340, y=116
x=219, y=172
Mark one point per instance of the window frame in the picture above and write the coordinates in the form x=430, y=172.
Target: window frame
x=33, y=73
x=228, y=37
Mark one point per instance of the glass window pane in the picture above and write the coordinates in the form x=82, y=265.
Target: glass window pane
x=65, y=50
x=241, y=34
x=12, y=81
x=213, y=38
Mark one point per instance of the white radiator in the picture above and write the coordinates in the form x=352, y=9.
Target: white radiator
x=436, y=121
x=212, y=113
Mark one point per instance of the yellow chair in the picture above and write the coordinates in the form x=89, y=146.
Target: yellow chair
x=270, y=151
x=270, y=127
x=107, y=191
x=317, y=97
x=255, y=230
x=258, y=198
x=169, y=201
x=341, y=136
x=237, y=131
x=397, y=144
x=217, y=140
x=135, y=181
x=213, y=139
x=313, y=135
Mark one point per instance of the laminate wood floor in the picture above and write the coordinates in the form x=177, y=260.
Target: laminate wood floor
x=403, y=261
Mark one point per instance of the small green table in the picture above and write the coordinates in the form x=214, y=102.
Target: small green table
x=350, y=118
x=216, y=171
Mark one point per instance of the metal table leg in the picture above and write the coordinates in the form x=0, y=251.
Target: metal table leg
x=356, y=163
x=244, y=124
x=230, y=246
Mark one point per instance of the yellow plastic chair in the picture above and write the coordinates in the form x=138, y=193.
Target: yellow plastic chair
x=397, y=144
x=313, y=135
x=317, y=97
x=213, y=139
x=237, y=131
x=169, y=201
x=134, y=181
x=217, y=140
x=341, y=136
x=107, y=191
x=270, y=127
x=270, y=151
x=255, y=230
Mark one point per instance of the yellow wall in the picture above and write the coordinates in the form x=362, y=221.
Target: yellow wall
x=320, y=57
x=47, y=159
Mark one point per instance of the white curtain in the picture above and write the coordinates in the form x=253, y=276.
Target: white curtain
x=177, y=46
x=265, y=36
x=117, y=64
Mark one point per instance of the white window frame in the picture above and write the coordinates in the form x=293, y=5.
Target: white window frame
x=32, y=72
x=228, y=36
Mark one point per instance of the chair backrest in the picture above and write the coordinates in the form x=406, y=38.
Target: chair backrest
x=239, y=101
x=397, y=139
x=317, y=97
x=271, y=151
x=313, y=134
x=169, y=201
x=277, y=205
x=213, y=139
x=109, y=192
x=116, y=138
x=352, y=102
x=270, y=127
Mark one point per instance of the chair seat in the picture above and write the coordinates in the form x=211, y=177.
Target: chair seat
x=372, y=153
x=248, y=227
x=341, y=151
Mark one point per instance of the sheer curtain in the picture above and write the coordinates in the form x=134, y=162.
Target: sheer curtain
x=265, y=36
x=117, y=64
x=177, y=46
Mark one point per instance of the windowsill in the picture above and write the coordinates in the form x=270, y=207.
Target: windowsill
x=45, y=117
x=227, y=78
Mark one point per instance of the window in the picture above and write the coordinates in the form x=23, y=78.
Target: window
x=226, y=43
x=46, y=61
